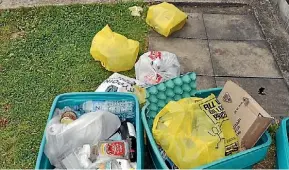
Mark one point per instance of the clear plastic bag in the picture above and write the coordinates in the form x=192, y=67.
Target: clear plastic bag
x=155, y=67
x=78, y=159
x=90, y=128
x=111, y=164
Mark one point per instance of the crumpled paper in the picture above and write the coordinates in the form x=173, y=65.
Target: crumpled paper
x=135, y=10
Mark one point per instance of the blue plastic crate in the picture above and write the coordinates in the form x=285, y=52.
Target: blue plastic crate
x=282, y=145
x=241, y=160
x=73, y=99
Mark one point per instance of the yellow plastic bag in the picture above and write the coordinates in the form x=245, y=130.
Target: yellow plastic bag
x=140, y=93
x=165, y=18
x=189, y=135
x=214, y=110
x=115, y=51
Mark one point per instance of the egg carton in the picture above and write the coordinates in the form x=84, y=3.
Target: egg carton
x=171, y=90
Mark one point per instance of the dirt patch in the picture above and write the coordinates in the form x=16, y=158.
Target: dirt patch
x=3, y=122
x=220, y=51
x=270, y=160
x=6, y=107
x=6, y=31
x=16, y=35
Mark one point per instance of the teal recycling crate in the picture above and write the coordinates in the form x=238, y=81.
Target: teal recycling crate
x=242, y=160
x=73, y=99
x=282, y=145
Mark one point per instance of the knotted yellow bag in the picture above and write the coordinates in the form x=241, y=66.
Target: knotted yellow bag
x=114, y=51
x=165, y=18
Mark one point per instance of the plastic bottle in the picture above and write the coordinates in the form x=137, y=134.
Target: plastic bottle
x=123, y=109
x=128, y=132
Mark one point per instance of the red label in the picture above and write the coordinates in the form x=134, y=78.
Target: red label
x=155, y=54
x=159, y=78
x=151, y=79
x=115, y=148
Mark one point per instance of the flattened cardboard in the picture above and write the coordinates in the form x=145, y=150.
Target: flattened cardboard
x=258, y=127
x=249, y=119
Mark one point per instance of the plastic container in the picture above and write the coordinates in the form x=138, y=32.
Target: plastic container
x=73, y=99
x=245, y=159
x=282, y=145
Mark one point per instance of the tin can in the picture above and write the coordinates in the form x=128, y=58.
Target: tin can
x=68, y=117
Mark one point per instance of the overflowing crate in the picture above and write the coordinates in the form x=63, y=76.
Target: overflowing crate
x=74, y=99
x=242, y=160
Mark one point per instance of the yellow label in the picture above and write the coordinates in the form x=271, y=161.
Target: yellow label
x=214, y=110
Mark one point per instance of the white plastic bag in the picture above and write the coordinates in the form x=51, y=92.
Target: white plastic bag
x=80, y=159
x=117, y=83
x=120, y=83
x=89, y=128
x=155, y=67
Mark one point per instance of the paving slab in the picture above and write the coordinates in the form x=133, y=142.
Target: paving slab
x=232, y=27
x=275, y=34
x=276, y=100
x=203, y=2
x=194, y=28
x=243, y=59
x=205, y=82
x=193, y=53
x=217, y=9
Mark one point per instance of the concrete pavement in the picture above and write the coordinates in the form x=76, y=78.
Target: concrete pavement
x=227, y=43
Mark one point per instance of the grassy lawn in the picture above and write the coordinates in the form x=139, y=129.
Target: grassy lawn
x=45, y=52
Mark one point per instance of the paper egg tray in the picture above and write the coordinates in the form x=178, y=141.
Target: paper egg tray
x=174, y=89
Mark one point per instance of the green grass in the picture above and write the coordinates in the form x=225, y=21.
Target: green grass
x=45, y=52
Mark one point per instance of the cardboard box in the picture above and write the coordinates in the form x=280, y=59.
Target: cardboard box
x=249, y=119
